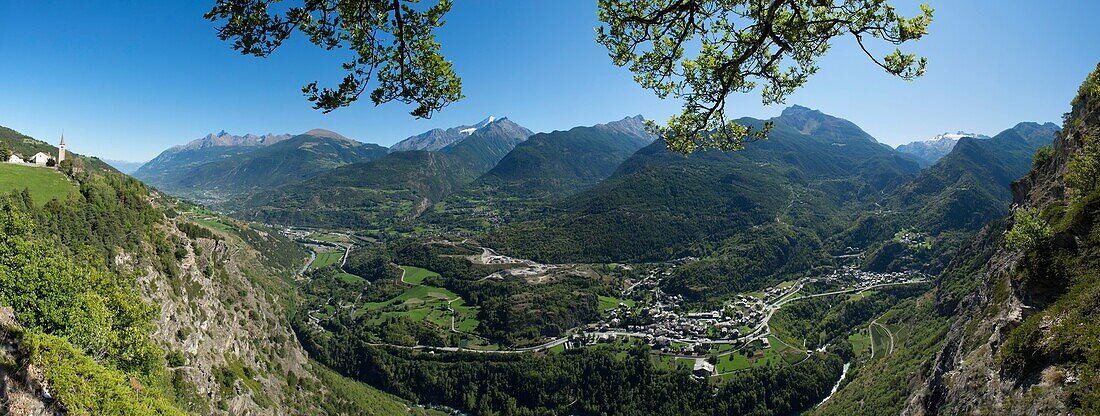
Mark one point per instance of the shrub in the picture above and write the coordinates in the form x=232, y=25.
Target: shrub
x=86, y=387
x=1042, y=156
x=1028, y=231
x=1090, y=90
x=1083, y=173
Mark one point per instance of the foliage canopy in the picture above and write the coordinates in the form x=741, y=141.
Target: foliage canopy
x=700, y=51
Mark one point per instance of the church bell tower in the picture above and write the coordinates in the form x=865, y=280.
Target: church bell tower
x=61, y=149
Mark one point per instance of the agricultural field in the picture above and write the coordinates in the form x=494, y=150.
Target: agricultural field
x=880, y=340
x=44, y=184
x=326, y=258
x=349, y=278
x=861, y=342
x=209, y=219
x=732, y=362
x=670, y=363
x=415, y=275
x=608, y=303
x=422, y=302
x=331, y=238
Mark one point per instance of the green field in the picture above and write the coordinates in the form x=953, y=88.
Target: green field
x=422, y=302
x=881, y=341
x=326, y=258
x=44, y=184
x=332, y=238
x=861, y=343
x=670, y=363
x=209, y=219
x=349, y=278
x=416, y=275
x=465, y=316
x=608, y=303
x=732, y=362
x=860, y=295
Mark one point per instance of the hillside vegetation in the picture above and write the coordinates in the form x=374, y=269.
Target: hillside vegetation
x=1011, y=319
x=388, y=192
x=117, y=303
x=545, y=167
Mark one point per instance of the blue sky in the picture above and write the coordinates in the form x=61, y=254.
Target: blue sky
x=127, y=79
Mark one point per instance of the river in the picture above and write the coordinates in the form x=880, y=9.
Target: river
x=836, y=386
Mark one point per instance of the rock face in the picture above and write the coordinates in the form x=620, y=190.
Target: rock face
x=969, y=375
x=221, y=319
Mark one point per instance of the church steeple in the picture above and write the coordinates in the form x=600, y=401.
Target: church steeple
x=61, y=148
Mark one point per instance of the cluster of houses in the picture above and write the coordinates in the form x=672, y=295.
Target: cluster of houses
x=663, y=324
x=41, y=158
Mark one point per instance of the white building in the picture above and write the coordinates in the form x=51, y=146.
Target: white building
x=14, y=158
x=39, y=159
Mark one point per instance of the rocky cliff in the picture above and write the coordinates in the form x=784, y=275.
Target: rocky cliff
x=1024, y=340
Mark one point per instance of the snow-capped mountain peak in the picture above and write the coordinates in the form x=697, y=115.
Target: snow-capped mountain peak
x=932, y=149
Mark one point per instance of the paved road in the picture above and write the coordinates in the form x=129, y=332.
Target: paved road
x=312, y=257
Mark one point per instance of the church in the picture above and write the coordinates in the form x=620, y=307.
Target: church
x=41, y=158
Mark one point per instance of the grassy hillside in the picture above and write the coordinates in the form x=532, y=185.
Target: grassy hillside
x=42, y=183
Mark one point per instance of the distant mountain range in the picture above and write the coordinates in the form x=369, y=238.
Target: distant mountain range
x=124, y=166
x=547, y=165
x=217, y=166
x=166, y=169
x=397, y=187
x=436, y=139
x=753, y=215
x=609, y=192
x=951, y=199
x=930, y=150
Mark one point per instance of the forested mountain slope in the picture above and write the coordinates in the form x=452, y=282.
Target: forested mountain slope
x=1027, y=330
x=546, y=166
x=1009, y=328
x=762, y=211
x=949, y=201
x=292, y=160
x=392, y=190
x=165, y=169
x=562, y=161
x=125, y=302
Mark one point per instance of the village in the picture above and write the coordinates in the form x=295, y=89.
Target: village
x=665, y=322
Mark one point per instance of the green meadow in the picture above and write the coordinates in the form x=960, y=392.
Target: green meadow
x=416, y=275
x=44, y=184
x=326, y=258
x=422, y=302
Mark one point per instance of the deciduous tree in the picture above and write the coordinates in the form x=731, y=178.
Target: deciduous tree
x=698, y=51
